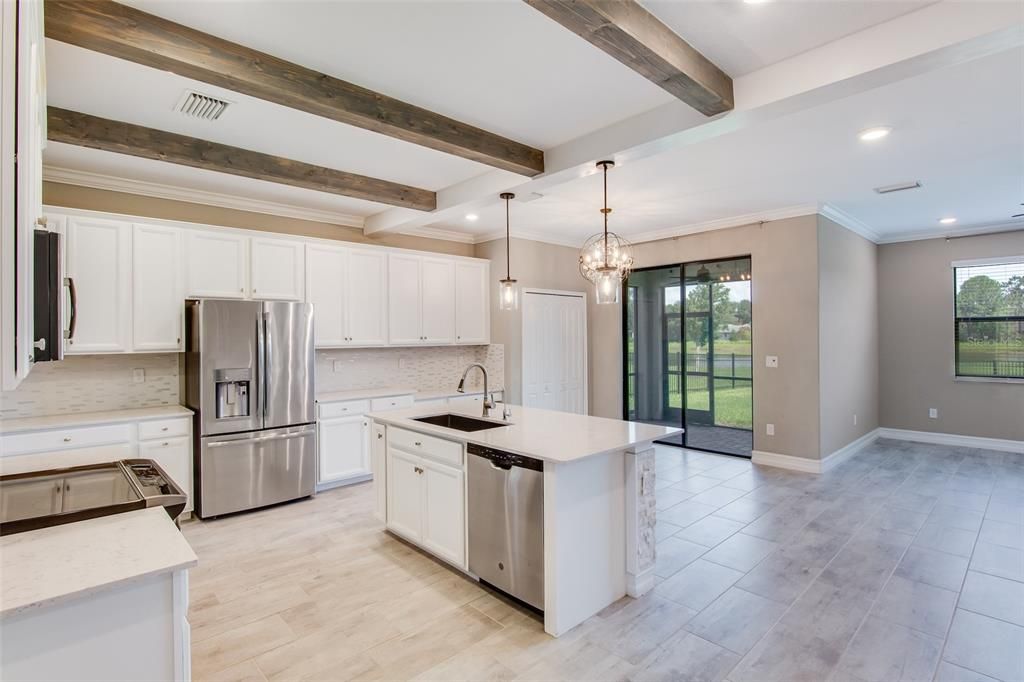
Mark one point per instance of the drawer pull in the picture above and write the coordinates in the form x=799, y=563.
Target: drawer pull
x=379, y=436
x=165, y=444
x=164, y=428
x=67, y=439
x=419, y=444
x=418, y=470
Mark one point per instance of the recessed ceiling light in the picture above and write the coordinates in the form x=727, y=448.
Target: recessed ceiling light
x=872, y=134
x=471, y=217
x=947, y=221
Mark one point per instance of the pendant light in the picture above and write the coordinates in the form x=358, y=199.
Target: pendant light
x=606, y=258
x=508, y=291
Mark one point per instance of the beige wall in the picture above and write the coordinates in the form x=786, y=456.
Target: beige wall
x=784, y=290
x=74, y=196
x=916, y=342
x=847, y=335
x=534, y=265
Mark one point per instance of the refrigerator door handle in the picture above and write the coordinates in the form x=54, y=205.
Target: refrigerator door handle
x=268, y=350
x=260, y=439
x=261, y=370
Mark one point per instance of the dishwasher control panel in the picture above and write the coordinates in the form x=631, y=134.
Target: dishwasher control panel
x=505, y=460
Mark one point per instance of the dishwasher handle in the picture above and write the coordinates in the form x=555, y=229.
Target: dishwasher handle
x=499, y=459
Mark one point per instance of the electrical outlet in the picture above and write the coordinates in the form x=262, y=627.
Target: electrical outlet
x=771, y=361
x=933, y=413
x=339, y=366
x=770, y=429
x=138, y=376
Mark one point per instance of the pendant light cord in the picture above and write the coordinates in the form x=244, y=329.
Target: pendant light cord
x=508, y=242
x=604, y=165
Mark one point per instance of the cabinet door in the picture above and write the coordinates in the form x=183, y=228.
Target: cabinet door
x=404, y=306
x=343, y=448
x=405, y=493
x=277, y=269
x=438, y=296
x=325, y=289
x=378, y=463
x=472, y=303
x=215, y=264
x=174, y=456
x=366, y=292
x=444, y=524
x=98, y=262
x=157, y=298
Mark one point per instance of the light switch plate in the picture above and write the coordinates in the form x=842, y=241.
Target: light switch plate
x=771, y=361
x=770, y=429
x=339, y=366
x=138, y=376
x=933, y=413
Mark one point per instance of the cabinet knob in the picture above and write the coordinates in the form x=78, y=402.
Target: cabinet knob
x=242, y=290
x=379, y=436
x=419, y=444
x=165, y=444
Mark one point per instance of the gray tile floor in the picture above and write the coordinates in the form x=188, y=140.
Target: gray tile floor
x=905, y=562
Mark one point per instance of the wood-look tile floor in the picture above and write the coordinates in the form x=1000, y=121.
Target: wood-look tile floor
x=903, y=563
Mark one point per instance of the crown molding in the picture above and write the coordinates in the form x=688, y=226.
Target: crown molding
x=723, y=223
x=158, y=190
x=852, y=224
x=440, y=233
x=529, y=236
x=973, y=231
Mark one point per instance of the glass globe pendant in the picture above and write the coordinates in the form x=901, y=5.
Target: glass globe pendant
x=508, y=288
x=606, y=258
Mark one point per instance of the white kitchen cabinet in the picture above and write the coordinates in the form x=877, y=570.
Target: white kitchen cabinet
x=405, y=494
x=438, y=300
x=404, y=301
x=216, y=264
x=443, y=527
x=98, y=263
x=174, y=455
x=157, y=291
x=344, y=447
x=366, y=293
x=277, y=269
x=348, y=290
x=378, y=463
x=472, y=302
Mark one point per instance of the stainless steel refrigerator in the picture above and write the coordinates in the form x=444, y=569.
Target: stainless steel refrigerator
x=249, y=369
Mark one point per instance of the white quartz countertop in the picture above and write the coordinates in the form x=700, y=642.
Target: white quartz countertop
x=544, y=434
x=43, y=567
x=57, y=421
x=389, y=392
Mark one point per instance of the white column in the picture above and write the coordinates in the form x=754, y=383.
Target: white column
x=640, y=518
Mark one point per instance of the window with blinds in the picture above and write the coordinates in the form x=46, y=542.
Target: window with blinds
x=990, y=319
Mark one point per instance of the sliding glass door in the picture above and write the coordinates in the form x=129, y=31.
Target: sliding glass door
x=687, y=331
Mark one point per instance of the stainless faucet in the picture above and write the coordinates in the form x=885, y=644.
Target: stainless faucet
x=488, y=403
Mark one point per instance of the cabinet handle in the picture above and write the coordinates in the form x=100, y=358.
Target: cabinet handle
x=419, y=444
x=178, y=340
x=165, y=444
x=41, y=221
x=67, y=439
x=164, y=428
x=379, y=436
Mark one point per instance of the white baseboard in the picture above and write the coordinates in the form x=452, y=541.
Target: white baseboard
x=1002, y=444
x=639, y=584
x=815, y=466
x=774, y=459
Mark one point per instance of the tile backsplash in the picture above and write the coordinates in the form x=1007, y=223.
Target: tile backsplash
x=92, y=383
x=425, y=369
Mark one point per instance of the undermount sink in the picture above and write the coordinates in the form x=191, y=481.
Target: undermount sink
x=459, y=422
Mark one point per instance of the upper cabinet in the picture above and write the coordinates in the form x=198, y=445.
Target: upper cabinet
x=216, y=264
x=438, y=300
x=157, y=292
x=22, y=135
x=98, y=263
x=277, y=269
x=422, y=300
x=405, y=306
x=472, y=302
x=348, y=290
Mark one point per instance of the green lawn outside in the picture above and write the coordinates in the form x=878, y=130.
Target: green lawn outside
x=991, y=359
x=733, y=406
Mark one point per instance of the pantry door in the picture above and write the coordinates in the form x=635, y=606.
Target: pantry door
x=555, y=350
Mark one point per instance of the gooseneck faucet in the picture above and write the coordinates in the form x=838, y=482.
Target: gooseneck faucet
x=487, y=396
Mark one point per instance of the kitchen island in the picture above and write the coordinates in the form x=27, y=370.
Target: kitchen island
x=598, y=497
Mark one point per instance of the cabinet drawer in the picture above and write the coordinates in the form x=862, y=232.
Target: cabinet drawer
x=397, y=402
x=163, y=428
x=347, y=408
x=423, y=445
x=63, y=439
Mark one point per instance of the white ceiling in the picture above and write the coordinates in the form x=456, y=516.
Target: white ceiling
x=741, y=37
x=507, y=68
x=969, y=158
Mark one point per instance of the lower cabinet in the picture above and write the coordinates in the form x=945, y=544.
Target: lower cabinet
x=426, y=504
x=344, y=445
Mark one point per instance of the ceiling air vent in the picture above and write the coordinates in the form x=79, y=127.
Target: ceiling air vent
x=198, y=105
x=899, y=187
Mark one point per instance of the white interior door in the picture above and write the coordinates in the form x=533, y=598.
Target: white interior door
x=555, y=351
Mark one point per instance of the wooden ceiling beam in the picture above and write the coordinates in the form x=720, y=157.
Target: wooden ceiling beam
x=638, y=39
x=124, y=32
x=71, y=127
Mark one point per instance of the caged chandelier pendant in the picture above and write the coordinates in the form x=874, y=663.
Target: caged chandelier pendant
x=606, y=258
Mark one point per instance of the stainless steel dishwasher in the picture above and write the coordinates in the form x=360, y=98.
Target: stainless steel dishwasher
x=506, y=522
